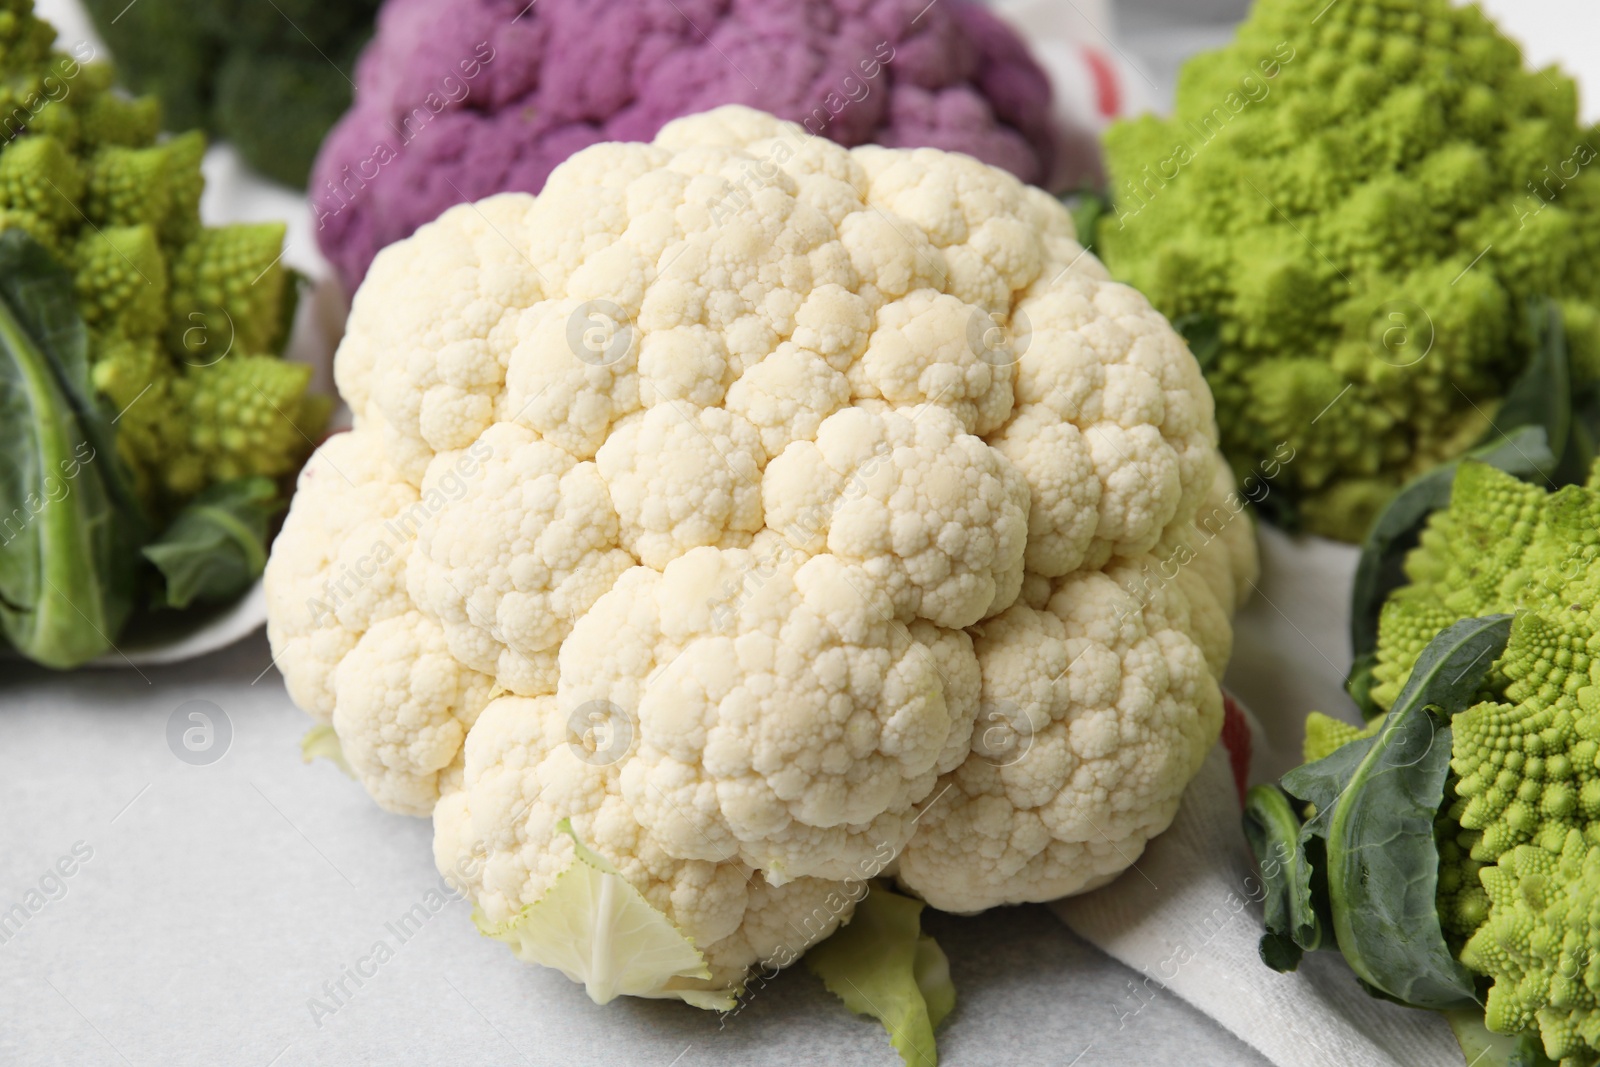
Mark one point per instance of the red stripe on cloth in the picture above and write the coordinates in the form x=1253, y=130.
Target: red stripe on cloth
x=1236, y=739
x=1108, y=91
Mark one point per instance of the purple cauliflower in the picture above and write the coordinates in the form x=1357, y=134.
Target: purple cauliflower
x=460, y=99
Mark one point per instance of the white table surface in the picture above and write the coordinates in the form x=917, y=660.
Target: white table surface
x=218, y=899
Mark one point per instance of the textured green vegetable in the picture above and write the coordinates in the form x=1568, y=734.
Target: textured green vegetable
x=183, y=318
x=1517, y=823
x=269, y=77
x=1363, y=196
x=1542, y=435
x=167, y=374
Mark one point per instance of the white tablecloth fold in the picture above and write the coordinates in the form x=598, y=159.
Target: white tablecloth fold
x=1188, y=917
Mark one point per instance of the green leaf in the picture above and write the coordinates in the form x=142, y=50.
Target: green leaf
x=1382, y=860
x=1293, y=925
x=1088, y=208
x=1542, y=394
x=69, y=524
x=217, y=546
x=1321, y=783
x=1524, y=454
x=1203, y=331
x=883, y=965
x=1483, y=1047
x=322, y=741
x=593, y=926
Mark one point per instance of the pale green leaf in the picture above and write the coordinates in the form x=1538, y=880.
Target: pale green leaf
x=321, y=741
x=598, y=930
x=883, y=965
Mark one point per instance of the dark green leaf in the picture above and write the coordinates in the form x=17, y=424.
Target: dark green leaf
x=69, y=524
x=1542, y=394
x=1382, y=860
x=1291, y=916
x=1280, y=952
x=217, y=546
x=1203, y=331
x=1524, y=453
x=1088, y=208
x=1320, y=784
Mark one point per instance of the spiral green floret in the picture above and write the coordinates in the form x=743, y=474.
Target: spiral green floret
x=181, y=315
x=121, y=278
x=248, y=412
x=1542, y=946
x=223, y=276
x=1363, y=196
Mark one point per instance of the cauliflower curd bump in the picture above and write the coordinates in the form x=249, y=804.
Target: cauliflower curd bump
x=745, y=517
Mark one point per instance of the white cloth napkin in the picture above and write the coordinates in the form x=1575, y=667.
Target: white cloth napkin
x=1188, y=917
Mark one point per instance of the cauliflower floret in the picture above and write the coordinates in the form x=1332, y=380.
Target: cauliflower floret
x=1096, y=711
x=518, y=549
x=527, y=769
x=856, y=498
x=347, y=571
x=785, y=717
x=932, y=512
x=683, y=478
x=403, y=706
x=433, y=369
x=1136, y=649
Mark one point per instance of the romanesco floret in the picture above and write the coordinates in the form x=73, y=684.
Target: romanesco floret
x=180, y=315
x=1363, y=196
x=1542, y=946
x=246, y=410
x=220, y=277
x=1325, y=735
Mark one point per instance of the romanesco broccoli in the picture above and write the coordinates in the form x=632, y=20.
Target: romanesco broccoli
x=1361, y=198
x=180, y=315
x=1519, y=878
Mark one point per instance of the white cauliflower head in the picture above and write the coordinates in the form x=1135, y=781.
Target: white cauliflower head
x=832, y=479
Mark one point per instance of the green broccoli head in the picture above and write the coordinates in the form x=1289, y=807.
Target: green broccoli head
x=1363, y=196
x=270, y=78
x=182, y=317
